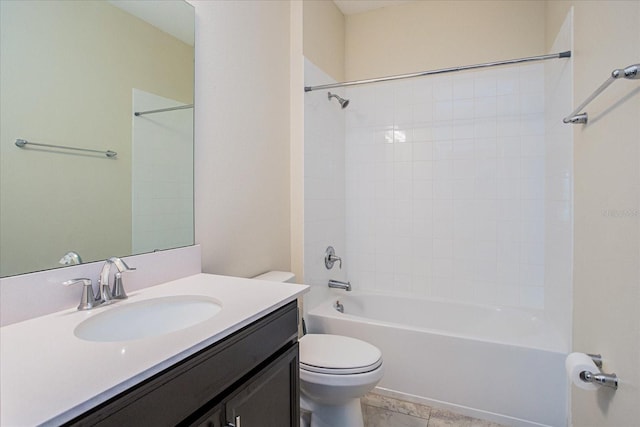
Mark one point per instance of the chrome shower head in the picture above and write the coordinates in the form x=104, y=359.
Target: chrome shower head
x=343, y=102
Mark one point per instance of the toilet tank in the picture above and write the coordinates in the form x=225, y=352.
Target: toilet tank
x=277, y=276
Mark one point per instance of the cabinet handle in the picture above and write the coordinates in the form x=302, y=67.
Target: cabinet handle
x=236, y=424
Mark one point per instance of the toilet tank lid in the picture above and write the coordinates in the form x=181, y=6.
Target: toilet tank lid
x=277, y=276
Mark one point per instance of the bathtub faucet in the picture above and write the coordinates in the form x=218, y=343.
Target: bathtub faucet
x=340, y=285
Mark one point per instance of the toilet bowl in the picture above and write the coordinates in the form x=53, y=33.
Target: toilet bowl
x=335, y=372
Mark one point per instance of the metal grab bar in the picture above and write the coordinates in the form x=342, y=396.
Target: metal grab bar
x=162, y=110
x=23, y=142
x=632, y=72
x=566, y=54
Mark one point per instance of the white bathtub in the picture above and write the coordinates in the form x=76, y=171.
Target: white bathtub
x=498, y=364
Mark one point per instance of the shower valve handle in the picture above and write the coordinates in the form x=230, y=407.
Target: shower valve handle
x=330, y=258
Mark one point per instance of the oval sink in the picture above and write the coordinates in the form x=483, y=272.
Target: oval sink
x=148, y=318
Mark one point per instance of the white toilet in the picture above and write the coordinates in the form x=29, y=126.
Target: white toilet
x=335, y=372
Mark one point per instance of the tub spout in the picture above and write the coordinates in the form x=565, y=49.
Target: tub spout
x=340, y=285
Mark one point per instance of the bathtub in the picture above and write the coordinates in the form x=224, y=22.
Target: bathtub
x=502, y=365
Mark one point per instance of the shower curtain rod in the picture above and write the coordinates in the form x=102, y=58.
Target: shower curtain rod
x=566, y=54
x=162, y=110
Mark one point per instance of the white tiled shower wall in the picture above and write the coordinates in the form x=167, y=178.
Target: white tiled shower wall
x=447, y=185
x=324, y=184
x=559, y=185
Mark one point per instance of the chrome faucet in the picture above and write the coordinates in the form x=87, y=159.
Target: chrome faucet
x=71, y=258
x=105, y=294
x=340, y=285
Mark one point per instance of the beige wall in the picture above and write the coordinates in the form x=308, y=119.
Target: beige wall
x=59, y=88
x=320, y=27
x=324, y=36
x=242, y=136
x=428, y=35
x=297, y=140
x=606, y=303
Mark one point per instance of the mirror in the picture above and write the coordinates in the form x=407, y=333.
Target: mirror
x=72, y=75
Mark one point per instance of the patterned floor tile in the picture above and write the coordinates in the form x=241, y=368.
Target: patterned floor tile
x=383, y=411
x=379, y=417
x=395, y=405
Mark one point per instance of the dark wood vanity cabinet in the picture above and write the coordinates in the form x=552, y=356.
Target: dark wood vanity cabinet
x=263, y=401
x=249, y=379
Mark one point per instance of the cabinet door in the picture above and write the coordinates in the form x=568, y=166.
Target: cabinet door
x=269, y=399
x=212, y=419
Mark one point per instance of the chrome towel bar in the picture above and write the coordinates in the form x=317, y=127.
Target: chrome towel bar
x=162, y=110
x=23, y=142
x=632, y=72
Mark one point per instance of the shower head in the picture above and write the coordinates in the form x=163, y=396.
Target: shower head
x=343, y=102
x=631, y=72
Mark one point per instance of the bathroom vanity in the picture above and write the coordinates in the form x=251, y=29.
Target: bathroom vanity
x=240, y=367
x=251, y=375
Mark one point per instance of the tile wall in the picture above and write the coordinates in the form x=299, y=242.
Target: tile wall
x=445, y=186
x=450, y=186
x=559, y=186
x=324, y=184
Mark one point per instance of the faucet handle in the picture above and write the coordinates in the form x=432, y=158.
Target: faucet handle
x=88, y=300
x=120, y=264
x=118, y=289
x=330, y=258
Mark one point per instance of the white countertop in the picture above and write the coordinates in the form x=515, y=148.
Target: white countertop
x=48, y=375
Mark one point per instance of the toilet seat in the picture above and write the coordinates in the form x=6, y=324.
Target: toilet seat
x=333, y=371
x=337, y=355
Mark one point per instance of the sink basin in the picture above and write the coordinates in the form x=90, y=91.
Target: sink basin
x=147, y=318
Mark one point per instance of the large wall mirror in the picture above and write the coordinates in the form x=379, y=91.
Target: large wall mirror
x=73, y=73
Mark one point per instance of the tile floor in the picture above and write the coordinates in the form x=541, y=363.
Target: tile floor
x=382, y=411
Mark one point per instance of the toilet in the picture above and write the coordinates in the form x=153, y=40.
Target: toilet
x=335, y=372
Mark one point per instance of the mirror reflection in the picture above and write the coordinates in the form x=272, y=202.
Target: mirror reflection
x=73, y=74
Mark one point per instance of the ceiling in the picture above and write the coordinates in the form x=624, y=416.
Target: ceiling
x=352, y=7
